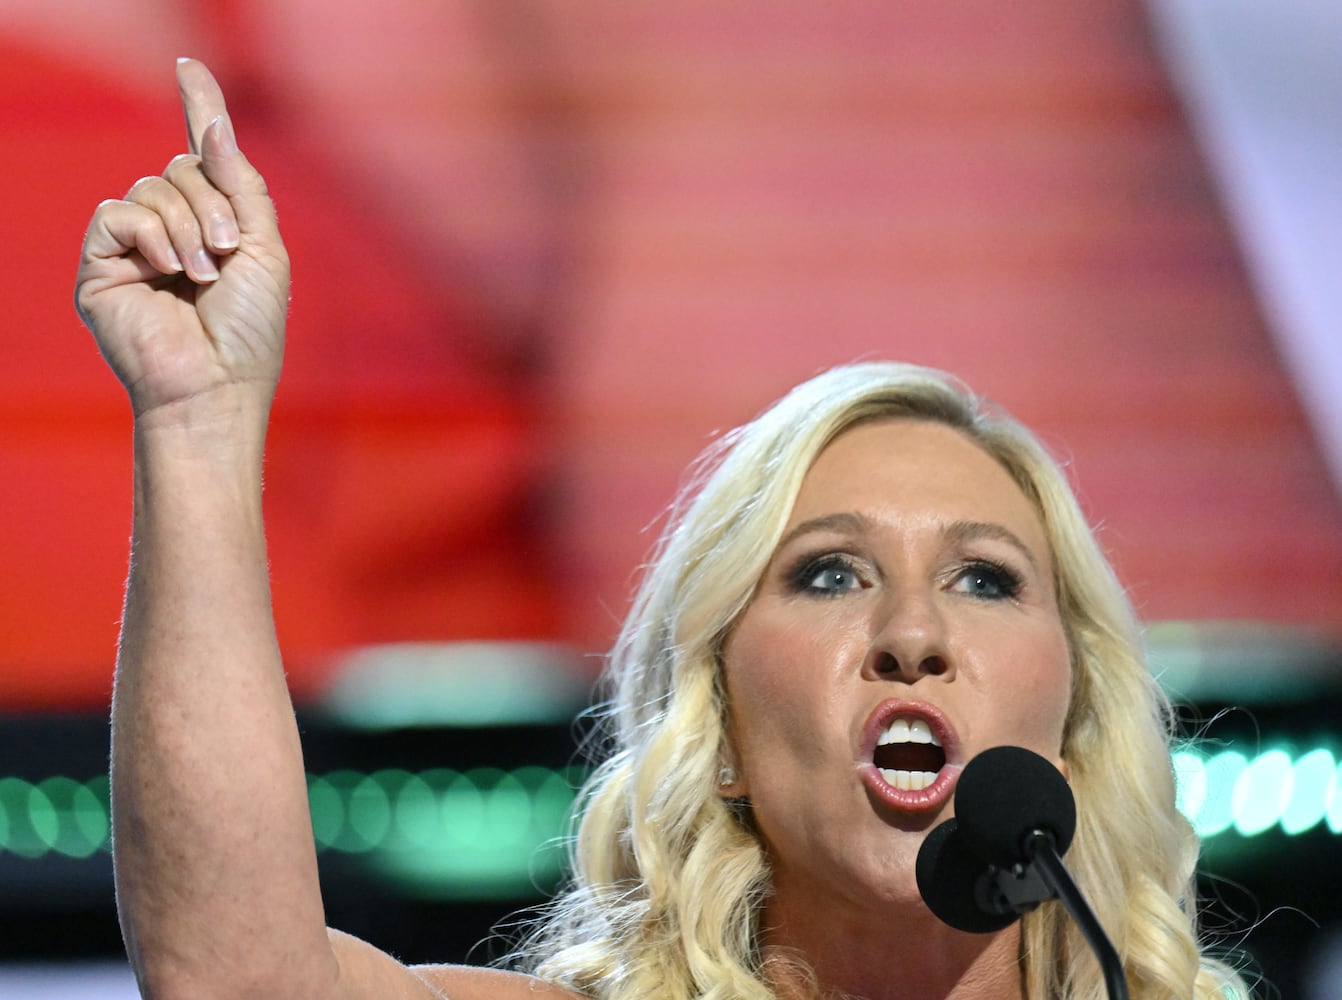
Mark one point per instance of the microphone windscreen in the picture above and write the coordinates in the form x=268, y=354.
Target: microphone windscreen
x=1006, y=793
x=948, y=878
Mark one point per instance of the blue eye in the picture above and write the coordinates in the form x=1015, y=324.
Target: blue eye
x=825, y=576
x=987, y=581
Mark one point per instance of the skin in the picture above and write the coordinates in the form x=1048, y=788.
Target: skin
x=184, y=284
x=887, y=601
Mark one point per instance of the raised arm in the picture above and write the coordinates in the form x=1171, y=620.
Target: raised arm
x=185, y=284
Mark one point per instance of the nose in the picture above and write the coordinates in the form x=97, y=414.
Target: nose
x=909, y=641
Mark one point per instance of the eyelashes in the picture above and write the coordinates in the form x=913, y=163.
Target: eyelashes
x=826, y=575
x=987, y=579
x=833, y=574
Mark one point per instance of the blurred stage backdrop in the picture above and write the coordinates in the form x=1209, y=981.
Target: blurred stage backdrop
x=543, y=252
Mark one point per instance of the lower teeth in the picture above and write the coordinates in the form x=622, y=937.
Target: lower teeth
x=908, y=781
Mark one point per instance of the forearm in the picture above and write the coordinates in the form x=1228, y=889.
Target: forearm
x=216, y=872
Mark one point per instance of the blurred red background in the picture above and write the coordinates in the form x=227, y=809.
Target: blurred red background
x=543, y=252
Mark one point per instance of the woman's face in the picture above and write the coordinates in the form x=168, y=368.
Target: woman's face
x=906, y=622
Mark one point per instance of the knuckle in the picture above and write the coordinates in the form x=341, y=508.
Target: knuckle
x=144, y=186
x=108, y=206
x=182, y=161
x=184, y=230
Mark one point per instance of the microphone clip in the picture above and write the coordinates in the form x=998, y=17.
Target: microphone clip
x=1017, y=889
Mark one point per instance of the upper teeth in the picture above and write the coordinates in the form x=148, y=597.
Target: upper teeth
x=908, y=731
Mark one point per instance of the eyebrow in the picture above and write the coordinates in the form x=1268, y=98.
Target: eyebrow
x=968, y=531
x=843, y=524
x=958, y=532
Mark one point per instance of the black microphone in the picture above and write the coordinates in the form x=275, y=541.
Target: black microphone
x=1001, y=856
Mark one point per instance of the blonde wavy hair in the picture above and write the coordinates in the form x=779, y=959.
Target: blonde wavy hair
x=668, y=877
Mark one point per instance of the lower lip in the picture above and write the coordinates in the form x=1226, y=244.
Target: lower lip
x=933, y=797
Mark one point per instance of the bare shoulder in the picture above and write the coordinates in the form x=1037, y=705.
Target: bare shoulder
x=463, y=982
x=366, y=971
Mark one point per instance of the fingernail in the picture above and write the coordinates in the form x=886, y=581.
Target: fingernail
x=204, y=266
x=227, y=139
x=174, y=260
x=223, y=234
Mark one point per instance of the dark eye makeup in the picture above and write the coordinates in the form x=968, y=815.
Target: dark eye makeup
x=826, y=575
x=831, y=574
x=987, y=580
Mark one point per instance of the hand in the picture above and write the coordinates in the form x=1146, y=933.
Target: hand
x=185, y=282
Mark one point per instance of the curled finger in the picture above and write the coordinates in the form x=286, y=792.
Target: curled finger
x=122, y=228
x=126, y=244
x=180, y=222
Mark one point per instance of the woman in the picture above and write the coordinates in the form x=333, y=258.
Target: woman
x=868, y=585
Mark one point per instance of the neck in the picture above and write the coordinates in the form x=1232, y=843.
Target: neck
x=812, y=953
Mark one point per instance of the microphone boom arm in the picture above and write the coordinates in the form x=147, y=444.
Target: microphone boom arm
x=1044, y=858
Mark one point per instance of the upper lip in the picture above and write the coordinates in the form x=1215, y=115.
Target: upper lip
x=898, y=708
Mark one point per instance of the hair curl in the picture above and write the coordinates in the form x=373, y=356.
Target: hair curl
x=668, y=878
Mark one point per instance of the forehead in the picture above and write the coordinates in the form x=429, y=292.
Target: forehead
x=907, y=468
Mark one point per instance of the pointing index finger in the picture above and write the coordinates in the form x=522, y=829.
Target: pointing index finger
x=202, y=100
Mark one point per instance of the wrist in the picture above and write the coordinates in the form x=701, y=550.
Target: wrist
x=218, y=436
x=224, y=418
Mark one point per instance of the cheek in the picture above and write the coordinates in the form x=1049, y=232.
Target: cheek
x=1052, y=681
x=776, y=675
x=1033, y=698
x=760, y=699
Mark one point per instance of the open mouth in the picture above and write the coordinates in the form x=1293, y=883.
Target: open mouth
x=909, y=754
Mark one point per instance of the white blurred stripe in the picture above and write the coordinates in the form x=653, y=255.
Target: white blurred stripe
x=1261, y=81
x=70, y=981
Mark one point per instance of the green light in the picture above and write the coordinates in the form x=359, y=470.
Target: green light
x=42, y=819
x=1229, y=791
x=508, y=813
x=463, y=684
x=101, y=790
x=346, y=838
x=1335, y=802
x=415, y=814
x=461, y=813
x=327, y=807
x=1314, y=774
x=446, y=834
x=1217, y=812
x=442, y=833
x=488, y=832
x=484, y=833
x=1262, y=793
x=78, y=821
x=369, y=813
x=30, y=818
x=1190, y=776
x=56, y=816
x=552, y=796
